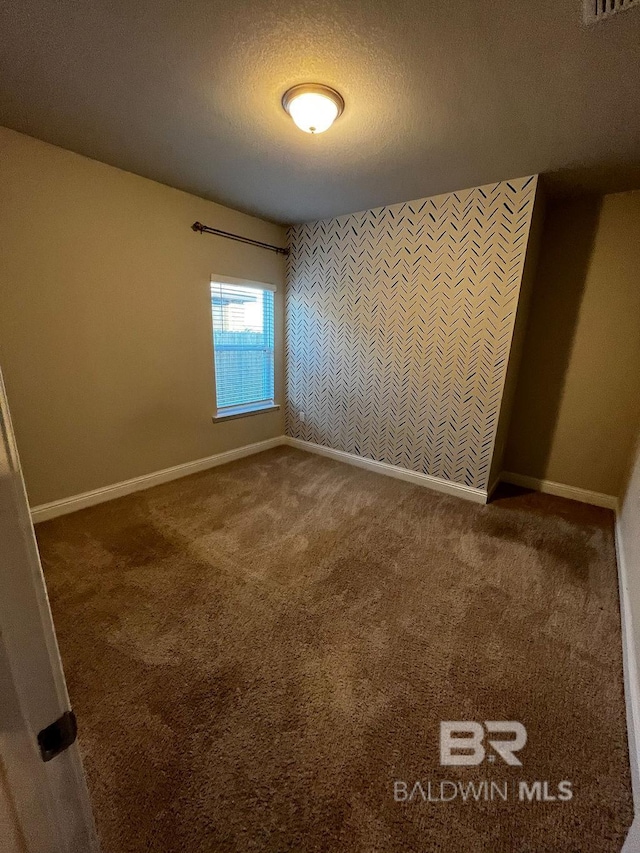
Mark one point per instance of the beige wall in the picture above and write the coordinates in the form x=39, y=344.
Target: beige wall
x=519, y=333
x=578, y=397
x=399, y=327
x=105, y=327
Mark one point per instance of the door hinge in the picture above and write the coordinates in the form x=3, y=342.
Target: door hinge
x=58, y=736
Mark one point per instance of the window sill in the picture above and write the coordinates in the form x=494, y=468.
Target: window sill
x=244, y=411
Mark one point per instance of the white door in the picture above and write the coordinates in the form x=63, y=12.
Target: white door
x=44, y=804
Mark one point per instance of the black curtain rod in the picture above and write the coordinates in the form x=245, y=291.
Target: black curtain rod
x=205, y=229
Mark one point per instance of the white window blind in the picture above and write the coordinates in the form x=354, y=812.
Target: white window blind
x=243, y=340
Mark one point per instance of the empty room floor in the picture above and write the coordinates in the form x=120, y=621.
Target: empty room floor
x=257, y=653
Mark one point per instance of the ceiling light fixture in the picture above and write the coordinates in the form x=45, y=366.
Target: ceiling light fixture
x=313, y=107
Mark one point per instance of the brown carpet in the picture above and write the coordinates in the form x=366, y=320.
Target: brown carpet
x=257, y=653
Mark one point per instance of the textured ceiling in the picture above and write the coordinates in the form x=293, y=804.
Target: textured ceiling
x=439, y=95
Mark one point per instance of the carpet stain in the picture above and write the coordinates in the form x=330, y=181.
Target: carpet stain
x=257, y=653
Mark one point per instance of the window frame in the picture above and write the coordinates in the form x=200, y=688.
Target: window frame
x=224, y=413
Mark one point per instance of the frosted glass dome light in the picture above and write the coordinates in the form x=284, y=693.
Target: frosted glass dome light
x=313, y=107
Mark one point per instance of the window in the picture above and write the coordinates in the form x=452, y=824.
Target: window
x=242, y=314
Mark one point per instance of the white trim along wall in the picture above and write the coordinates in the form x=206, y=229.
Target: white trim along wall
x=628, y=554
x=548, y=487
x=437, y=484
x=43, y=512
x=146, y=481
x=631, y=688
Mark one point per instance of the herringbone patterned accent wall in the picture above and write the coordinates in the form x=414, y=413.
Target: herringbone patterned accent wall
x=399, y=325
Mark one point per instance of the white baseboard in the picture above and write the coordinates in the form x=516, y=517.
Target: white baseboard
x=146, y=481
x=560, y=490
x=435, y=483
x=631, y=683
x=632, y=841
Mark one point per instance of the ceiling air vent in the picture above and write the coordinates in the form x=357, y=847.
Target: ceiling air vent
x=599, y=10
